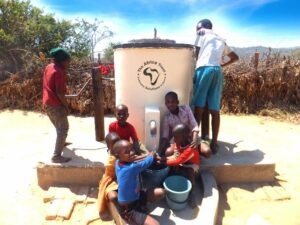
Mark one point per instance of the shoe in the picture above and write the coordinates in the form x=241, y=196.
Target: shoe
x=60, y=159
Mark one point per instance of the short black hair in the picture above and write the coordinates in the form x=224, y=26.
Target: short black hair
x=180, y=129
x=172, y=94
x=121, y=106
x=118, y=146
x=111, y=136
x=205, y=23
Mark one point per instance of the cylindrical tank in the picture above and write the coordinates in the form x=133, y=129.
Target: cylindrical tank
x=145, y=70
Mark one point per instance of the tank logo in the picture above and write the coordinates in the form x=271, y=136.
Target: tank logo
x=151, y=75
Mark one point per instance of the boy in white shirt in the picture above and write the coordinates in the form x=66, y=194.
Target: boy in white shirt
x=208, y=78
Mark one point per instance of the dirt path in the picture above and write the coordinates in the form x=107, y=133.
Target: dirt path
x=26, y=137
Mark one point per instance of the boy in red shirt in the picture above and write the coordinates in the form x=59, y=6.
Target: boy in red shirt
x=184, y=159
x=54, y=100
x=125, y=130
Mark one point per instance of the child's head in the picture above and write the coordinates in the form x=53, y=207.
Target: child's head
x=171, y=101
x=205, y=23
x=111, y=138
x=121, y=113
x=181, y=134
x=123, y=150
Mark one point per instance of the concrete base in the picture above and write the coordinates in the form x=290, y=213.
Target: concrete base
x=237, y=162
x=85, y=168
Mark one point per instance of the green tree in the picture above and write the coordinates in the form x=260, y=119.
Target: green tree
x=85, y=36
x=25, y=31
x=108, y=53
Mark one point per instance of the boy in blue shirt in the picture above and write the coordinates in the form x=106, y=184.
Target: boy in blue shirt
x=130, y=196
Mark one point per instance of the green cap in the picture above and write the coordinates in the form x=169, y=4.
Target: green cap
x=60, y=54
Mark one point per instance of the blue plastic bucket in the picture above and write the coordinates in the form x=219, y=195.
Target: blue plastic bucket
x=176, y=205
x=154, y=176
x=178, y=188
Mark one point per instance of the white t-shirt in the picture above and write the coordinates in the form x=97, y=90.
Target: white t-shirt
x=212, y=48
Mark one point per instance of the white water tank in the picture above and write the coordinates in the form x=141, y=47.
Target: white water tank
x=145, y=70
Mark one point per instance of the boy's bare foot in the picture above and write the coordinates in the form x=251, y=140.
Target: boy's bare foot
x=205, y=149
x=67, y=143
x=60, y=159
x=214, y=147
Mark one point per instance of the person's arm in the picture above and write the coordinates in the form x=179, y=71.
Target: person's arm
x=193, y=123
x=136, y=147
x=60, y=90
x=233, y=57
x=185, y=156
x=197, y=50
x=141, y=157
x=144, y=164
x=163, y=145
x=165, y=136
x=194, y=142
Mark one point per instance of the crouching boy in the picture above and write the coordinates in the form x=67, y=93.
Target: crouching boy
x=132, y=200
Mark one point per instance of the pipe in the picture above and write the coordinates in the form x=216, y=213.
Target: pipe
x=75, y=95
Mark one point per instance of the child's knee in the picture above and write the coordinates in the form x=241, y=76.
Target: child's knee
x=169, y=152
x=112, y=196
x=160, y=193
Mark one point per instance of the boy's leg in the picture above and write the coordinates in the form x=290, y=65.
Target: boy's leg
x=205, y=124
x=189, y=173
x=192, y=195
x=112, y=203
x=214, y=105
x=115, y=214
x=134, y=217
x=58, y=116
x=155, y=194
x=215, y=123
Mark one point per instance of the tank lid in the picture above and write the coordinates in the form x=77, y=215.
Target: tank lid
x=152, y=43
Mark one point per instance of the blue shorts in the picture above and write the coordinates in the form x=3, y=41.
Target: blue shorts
x=208, y=87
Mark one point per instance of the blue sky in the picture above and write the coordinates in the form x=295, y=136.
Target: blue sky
x=243, y=23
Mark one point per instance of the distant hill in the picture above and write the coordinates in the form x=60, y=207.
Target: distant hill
x=249, y=51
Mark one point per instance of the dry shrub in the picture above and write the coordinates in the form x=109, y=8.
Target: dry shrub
x=18, y=92
x=273, y=84
x=249, y=90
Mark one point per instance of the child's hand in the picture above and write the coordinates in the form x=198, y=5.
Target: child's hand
x=194, y=145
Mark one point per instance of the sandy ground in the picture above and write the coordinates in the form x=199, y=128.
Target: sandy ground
x=26, y=137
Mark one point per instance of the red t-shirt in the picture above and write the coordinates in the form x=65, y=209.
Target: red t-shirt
x=187, y=155
x=125, y=133
x=54, y=78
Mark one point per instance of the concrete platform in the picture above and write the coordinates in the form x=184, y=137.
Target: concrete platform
x=239, y=161
x=236, y=161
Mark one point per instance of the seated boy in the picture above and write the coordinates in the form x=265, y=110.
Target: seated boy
x=125, y=130
x=108, y=185
x=183, y=159
x=180, y=114
x=130, y=197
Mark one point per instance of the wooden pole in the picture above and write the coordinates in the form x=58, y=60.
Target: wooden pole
x=98, y=104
